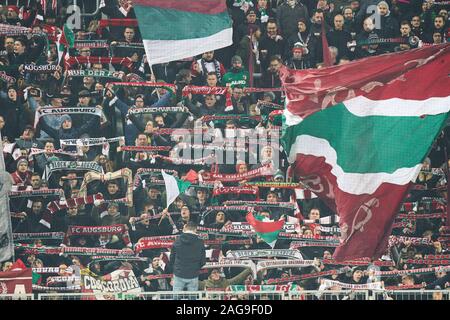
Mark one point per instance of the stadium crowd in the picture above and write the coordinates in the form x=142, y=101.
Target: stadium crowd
x=101, y=167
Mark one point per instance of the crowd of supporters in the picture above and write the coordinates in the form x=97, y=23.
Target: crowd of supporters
x=94, y=179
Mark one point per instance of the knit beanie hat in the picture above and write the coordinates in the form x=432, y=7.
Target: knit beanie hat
x=22, y=160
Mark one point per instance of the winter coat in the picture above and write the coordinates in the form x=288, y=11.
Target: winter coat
x=188, y=255
x=287, y=18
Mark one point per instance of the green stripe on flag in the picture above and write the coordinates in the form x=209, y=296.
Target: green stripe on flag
x=369, y=144
x=179, y=25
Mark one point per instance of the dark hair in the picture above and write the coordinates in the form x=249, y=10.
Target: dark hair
x=275, y=58
x=405, y=22
x=191, y=225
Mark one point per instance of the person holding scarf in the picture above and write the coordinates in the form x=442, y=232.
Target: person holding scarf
x=207, y=64
x=264, y=12
x=271, y=43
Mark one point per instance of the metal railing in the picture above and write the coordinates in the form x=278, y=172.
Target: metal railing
x=314, y=295
x=27, y=296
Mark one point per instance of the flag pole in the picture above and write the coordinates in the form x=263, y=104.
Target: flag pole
x=151, y=71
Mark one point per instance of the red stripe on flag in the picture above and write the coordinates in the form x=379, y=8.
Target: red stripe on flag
x=312, y=90
x=264, y=227
x=199, y=6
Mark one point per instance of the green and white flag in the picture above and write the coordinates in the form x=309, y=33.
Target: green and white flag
x=66, y=40
x=174, y=187
x=176, y=29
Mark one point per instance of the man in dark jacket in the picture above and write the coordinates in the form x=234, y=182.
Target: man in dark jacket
x=67, y=131
x=187, y=257
x=288, y=15
x=338, y=37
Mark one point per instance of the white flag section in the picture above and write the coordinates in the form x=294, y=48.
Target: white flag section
x=172, y=190
x=6, y=240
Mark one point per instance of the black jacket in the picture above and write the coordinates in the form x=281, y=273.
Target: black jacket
x=188, y=256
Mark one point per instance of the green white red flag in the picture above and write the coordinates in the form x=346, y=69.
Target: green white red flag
x=357, y=135
x=175, y=29
x=268, y=230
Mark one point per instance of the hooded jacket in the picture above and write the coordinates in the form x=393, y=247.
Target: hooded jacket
x=188, y=255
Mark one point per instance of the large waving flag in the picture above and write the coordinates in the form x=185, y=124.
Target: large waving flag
x=358, y=133
x=179, y=29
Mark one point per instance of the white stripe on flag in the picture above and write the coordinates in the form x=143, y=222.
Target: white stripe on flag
x=172, y=191
x=353, y=183
x=161, y=51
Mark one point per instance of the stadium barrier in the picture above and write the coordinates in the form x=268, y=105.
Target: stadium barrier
x=245, y=295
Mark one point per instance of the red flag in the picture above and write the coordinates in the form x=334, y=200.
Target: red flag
x=16, y=282
x=191, y=176
x=361, y=154
x=18, y=265
x=311, y=90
